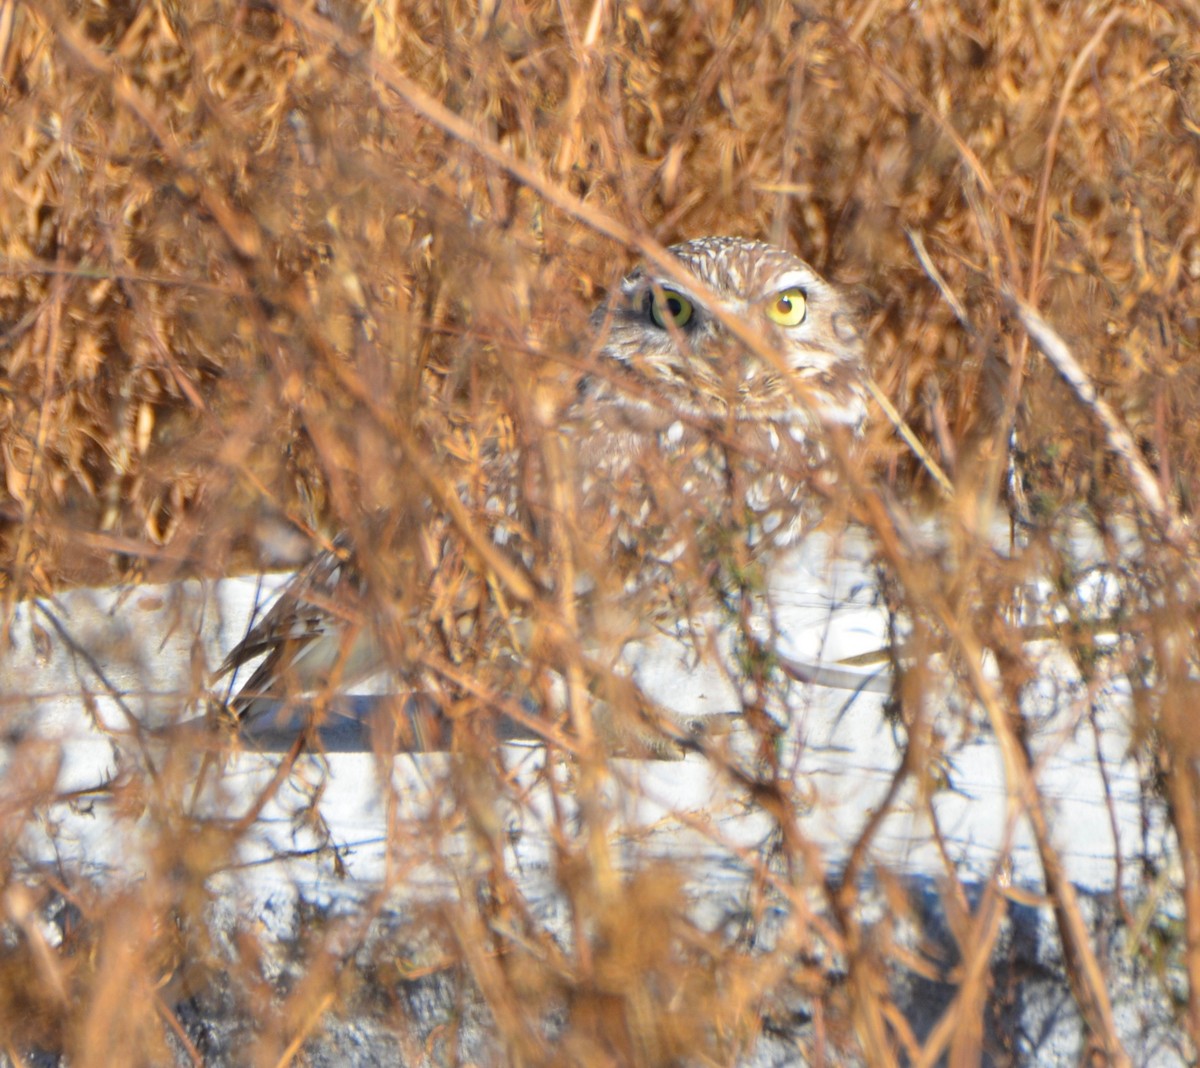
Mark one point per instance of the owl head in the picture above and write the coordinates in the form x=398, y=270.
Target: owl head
x=797, y=358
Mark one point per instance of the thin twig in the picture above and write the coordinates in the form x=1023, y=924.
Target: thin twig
x=950, y=297
x=1039, y=224
x=910, y=438
x=1120, y=441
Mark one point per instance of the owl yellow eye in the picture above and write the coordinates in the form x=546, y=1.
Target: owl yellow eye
x=788, y=308
x=671, y=307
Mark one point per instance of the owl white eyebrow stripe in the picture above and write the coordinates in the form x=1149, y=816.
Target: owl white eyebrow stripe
x=795, y=279
x=666, y=285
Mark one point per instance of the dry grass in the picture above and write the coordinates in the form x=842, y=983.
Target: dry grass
x=267, y=267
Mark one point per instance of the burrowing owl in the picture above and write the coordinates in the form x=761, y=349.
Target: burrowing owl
x=702, y=452
x=687, y=430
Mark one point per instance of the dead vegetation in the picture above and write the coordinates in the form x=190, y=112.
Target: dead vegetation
x=267, y=268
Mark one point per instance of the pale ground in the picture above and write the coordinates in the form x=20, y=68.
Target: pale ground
x=141, y=644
